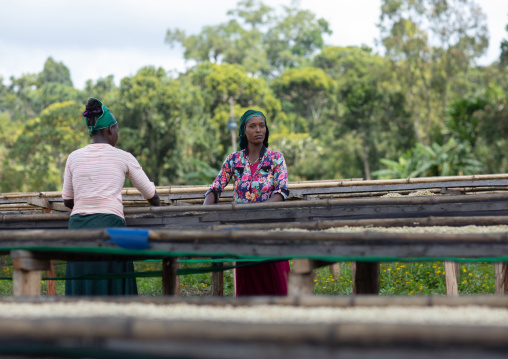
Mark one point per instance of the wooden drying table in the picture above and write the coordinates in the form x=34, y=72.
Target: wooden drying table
x=32, y=249
x=138, y=337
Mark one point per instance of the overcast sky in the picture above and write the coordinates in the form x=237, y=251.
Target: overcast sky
x=97, y=38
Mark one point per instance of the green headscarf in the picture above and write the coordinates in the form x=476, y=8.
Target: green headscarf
x=243, y=122
x=105, y=120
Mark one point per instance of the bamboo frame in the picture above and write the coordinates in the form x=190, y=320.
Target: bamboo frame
x=366, y=301
x=295, y=186
x=209, y=339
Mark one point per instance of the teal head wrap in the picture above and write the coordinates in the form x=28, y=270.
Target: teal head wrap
x=243, y=122
x=105, y=119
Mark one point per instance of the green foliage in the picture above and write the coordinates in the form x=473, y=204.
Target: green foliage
x=39, y=153
x=153, y=109
x=309, y=90
x=296, y=36
x=396, y=278
x=228, y=87
x=202, y=175
x=462, y=123
x=256, y=38
x=334, y=112
x=450, y=159
x=101, y=89
x=431, y=43
x=55, y=72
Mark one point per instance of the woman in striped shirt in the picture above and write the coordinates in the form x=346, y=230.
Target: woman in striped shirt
x=94, y=178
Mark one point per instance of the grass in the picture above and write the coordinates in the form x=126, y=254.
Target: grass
x=396, y=278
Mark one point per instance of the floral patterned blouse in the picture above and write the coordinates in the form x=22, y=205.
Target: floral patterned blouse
x=270, y=177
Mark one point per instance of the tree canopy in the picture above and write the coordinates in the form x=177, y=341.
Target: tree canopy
x=420, y=106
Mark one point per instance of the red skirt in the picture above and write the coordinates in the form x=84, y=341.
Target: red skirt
x=263, y=279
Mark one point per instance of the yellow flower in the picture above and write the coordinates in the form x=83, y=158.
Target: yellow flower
x=324, y=287
x=464, y=270
x=470, y=273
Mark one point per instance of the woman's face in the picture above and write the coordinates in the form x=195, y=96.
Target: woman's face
x=255, y=130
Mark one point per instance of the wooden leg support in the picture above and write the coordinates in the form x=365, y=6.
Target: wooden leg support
x=301, y=278
x=170, y=282
x=451, y=279
x=217, y=281
x=51, y=284
x=501, y=278
x=365, y=278
x=334, y=270
x=27, y=273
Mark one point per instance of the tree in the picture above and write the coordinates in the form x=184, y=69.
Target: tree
x=20, y=99
x=371, y=106
x=308, y=90
x=102, y=87
x=450, y=159
x=227, y=89
x=462, y=123
x=40, y=151
x=152, y=109
x=503, y=58
x=231, y=42
x=55, y=72
x=295, y=38
x=431, y=42
x=256, y=38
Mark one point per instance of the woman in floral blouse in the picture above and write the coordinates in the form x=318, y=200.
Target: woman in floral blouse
x=259, y=175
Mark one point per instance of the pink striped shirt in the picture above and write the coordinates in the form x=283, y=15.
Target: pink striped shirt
x=95, y=175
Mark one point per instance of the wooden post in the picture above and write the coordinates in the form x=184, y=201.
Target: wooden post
x=234, y=279
x=501, y=278
x=169, y=277
x=301, y=279
x=51, y=284
x=27, y=273
x=218, y=281
x=451, y=279
x=365, y=277
x=334, y=270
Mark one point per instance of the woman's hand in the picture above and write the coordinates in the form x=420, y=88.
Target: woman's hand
x=69, y=203
x=209, y=199
x=277, y=197
x=155, y=201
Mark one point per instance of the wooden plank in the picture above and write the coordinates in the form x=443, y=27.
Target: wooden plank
x=301, y=265
x=217, y=281
x=169, y=281
x=277, y=243
x=451, y=278
x=403, y=187
x=365, y=278
x=501, y=278
x=26, y=283
x=51, y=284
x=300, y=284
x=28, y=261
x=178, y=217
